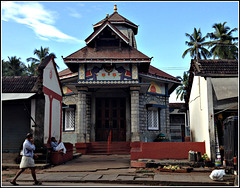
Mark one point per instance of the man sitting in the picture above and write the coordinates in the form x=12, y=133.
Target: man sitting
x=57, y=146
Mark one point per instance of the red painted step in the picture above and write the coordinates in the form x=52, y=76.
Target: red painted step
x=114, y=148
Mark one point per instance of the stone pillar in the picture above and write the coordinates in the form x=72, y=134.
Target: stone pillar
x=81, y=106
x=134, y=91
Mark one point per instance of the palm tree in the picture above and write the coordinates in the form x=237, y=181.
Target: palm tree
x=223, y=45
x=32, y=69
x=41, y=54
x=196, y=43
x=181, y=90
x=14, y=67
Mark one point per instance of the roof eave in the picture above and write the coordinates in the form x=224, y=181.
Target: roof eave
x=160, y=78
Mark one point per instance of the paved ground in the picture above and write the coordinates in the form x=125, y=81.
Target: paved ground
x=113, y=170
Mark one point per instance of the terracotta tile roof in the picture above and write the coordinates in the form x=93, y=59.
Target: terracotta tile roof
x=211, y=68
x=214, y=67
x=116, y=18
x=89, y=54
x=65, y=72
x=18, y=84
x=153, y=71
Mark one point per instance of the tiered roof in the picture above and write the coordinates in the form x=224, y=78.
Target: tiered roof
x=117, y=19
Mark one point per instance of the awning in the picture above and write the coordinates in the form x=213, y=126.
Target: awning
x=156, y=106
x=225, y=87
x=69, y=106
x=16, y=96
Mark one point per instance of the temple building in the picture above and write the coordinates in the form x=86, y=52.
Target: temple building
x=111, y=92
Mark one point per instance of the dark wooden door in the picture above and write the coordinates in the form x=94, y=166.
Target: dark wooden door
x=111, y=116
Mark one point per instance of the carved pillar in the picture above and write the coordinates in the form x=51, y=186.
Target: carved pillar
x=135, y=136
x=81, y=106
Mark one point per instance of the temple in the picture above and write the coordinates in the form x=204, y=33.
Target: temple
x=111, y=91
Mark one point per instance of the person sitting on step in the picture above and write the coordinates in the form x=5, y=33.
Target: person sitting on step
x=57, y=146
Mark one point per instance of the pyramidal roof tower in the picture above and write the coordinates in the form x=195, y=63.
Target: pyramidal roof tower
x=127, y=28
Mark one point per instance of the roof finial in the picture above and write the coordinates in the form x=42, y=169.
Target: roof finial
x=115, y=8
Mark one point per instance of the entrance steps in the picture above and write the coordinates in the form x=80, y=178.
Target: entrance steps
x=111, y=148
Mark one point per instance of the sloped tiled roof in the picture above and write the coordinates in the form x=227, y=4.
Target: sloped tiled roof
x=65, y=72
x=153, y=71
x=18, y=84
x=90, y=54
x=214, y=67
x=211, y=68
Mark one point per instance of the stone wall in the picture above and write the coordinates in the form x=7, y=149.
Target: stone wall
x=149, y=135
x=88, y=118
x=71, y=136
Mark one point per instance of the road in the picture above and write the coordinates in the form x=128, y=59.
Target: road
x=67, y=184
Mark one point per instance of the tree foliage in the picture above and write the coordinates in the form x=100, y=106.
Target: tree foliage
x=196, y=45
x=181, y=90
x=41, y=54
x=223, y=44
x=14, y=67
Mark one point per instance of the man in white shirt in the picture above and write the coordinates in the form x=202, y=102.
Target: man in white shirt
x=57, y=146
x=27, y=160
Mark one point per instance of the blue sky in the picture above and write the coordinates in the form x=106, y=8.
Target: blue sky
x=63, y=27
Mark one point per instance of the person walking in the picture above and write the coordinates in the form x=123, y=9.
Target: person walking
x=27, y=160
x=57, y=146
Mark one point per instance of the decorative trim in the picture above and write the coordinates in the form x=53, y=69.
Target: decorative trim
x=52, y=93
x=134, y=72
x=135, y=88
x=81, y=75
x=109, y=82
x=164, y=95
x=156, y=105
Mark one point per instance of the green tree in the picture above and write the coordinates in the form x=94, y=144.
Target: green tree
x=181, y=90
x=41, y=54
x=196, y=44
x=14, y=67
x=223, y=45
x=32, y=69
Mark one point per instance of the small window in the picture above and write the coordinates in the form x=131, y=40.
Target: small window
x=69, y=119
x=153, y=119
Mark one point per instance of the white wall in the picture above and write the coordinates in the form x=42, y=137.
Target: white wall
x=51, y=82
x=56, y=118
x=46, y=119
x=199, y=112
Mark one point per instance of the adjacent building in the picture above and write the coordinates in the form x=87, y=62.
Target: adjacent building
x=212, y=96
x=31, y=104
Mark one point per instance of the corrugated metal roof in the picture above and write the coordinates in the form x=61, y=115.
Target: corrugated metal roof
x=16, y=96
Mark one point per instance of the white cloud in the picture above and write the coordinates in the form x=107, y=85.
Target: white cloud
x=35, y=16
x=74, y=13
